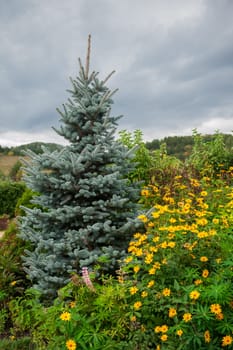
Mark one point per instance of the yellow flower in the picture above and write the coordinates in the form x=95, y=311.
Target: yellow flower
x=151, y=224
x=133, y=318
x=164, y=337
x=207, y=336
x=70, y=344
x=179, y=332
x=137, y=305
x=144, y=294
x=149, y=258
x=215, y=221
x=215, y=309
x=220, y=316
x=150, y=284
x=203, y=258
x=157, y=329
x=72, y=304
x=202, y=221
x=143, y=218
x=136, y=268
x=172, y=220
x=65, y=316
x=187, y=317
x=128, y=259
x=13, y=283
x=172, y=312
x=205, y=273
x=227, y=340
x=203, y=193
x=166, y=292
x=164, y=328
x=164, y=245
x=194, y=295
x=133, y=290
x=138, y=252
x=171, y=244
x=145, y=193
x=197, y=282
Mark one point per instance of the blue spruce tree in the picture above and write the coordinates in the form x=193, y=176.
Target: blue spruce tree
x=85, y=213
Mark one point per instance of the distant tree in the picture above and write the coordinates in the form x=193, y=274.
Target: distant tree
x=89, y=207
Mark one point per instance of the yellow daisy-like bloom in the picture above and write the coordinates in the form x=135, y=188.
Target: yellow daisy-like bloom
x=128, y=259
x=171, y=244
x=144, y=294
x=202, y=221
x=215, y=309
x=148, y=258
x=220, y=316
x=197, y=282
x=203, y=193
x=133, y=290
x=152, y=271
x=172, y=312
x=151, y=224
x=166, y=292
x=194, y=295
x=145, y=193
x=207, y=336
x=72, y=304
x=65, y=316
x=203, y=258
x=150, y=284
x=133, y=318
x=143, y=218
x=136, y=268
x=215, y=221
x=187, y=317
x=227, y=340
x=137, y=305
x=70, y=344
x=157, y=329
x=164, y=337
x=13, y=283
x=205, y=273
x=164, y=328
x=179, y=332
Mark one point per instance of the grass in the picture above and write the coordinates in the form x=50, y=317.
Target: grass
x=7, y=162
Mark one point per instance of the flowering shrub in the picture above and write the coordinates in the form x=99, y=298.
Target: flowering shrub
x=180, y=272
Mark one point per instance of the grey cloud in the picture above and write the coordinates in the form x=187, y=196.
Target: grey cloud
x=173, y=60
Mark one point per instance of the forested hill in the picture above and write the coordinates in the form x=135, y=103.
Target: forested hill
x=181, y=146
x=178, y=146
x=34, y=146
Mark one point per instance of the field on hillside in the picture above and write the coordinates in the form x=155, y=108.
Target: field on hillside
x=7, y=162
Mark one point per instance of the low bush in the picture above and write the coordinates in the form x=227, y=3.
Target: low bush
x=10, y=192
x=180, y=272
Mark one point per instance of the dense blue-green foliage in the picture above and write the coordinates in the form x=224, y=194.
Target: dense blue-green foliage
x=87, y=206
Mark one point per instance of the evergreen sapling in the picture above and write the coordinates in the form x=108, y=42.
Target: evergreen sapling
x=85, y=213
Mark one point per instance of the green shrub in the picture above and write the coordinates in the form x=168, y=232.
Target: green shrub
x=10, y=192
x=180, y=273
x=26, y=200
x=13, y=279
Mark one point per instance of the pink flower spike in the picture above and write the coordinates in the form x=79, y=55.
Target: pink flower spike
x=86, y=278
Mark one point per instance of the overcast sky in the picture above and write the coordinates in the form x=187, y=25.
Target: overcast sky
x=173, y=62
